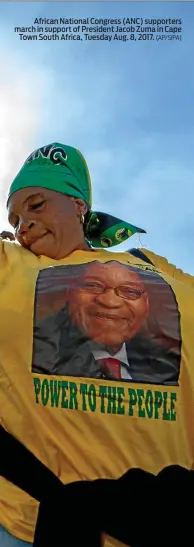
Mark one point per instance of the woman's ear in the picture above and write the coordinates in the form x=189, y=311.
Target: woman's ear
x=80, y=205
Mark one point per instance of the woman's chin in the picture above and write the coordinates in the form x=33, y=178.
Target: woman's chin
x=44, y=246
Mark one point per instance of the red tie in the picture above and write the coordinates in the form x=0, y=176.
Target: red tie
x=111, y=367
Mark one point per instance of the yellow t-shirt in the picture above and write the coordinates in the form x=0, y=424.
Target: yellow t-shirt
x=91, y=423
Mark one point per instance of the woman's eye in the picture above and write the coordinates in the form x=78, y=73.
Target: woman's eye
x=37, y=205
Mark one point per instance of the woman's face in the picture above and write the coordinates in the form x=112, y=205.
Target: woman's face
x=47, y=222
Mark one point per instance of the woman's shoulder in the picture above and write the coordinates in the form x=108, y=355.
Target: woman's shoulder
x=12, y=253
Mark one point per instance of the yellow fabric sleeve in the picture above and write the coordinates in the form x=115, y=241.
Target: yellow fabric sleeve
x=162, y=264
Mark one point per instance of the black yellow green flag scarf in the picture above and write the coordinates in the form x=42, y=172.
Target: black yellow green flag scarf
x=63, y=169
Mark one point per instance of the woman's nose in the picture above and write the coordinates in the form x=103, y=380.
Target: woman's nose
x=25, y=226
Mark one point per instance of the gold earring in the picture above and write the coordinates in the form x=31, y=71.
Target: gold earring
x=82, y=219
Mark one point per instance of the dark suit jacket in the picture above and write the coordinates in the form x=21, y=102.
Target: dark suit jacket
x=61, y=349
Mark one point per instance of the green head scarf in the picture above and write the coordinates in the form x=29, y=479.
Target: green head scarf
x=63, y=169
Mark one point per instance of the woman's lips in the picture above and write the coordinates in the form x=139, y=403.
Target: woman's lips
x=29, y=243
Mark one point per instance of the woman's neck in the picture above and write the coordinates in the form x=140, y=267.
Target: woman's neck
x=84, y=246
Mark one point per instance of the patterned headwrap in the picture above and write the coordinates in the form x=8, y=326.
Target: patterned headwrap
x=63, y=169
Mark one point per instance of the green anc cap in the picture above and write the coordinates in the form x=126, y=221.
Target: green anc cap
x=63, y=169
x=56, y=167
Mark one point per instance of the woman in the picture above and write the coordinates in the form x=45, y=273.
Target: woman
x=72, y=450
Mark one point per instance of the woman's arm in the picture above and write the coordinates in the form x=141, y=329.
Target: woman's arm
x=7, y=235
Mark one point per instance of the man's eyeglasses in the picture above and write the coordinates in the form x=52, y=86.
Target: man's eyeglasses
x=124, y=291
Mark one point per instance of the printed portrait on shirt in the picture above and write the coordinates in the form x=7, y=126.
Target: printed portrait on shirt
x=106, y=320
